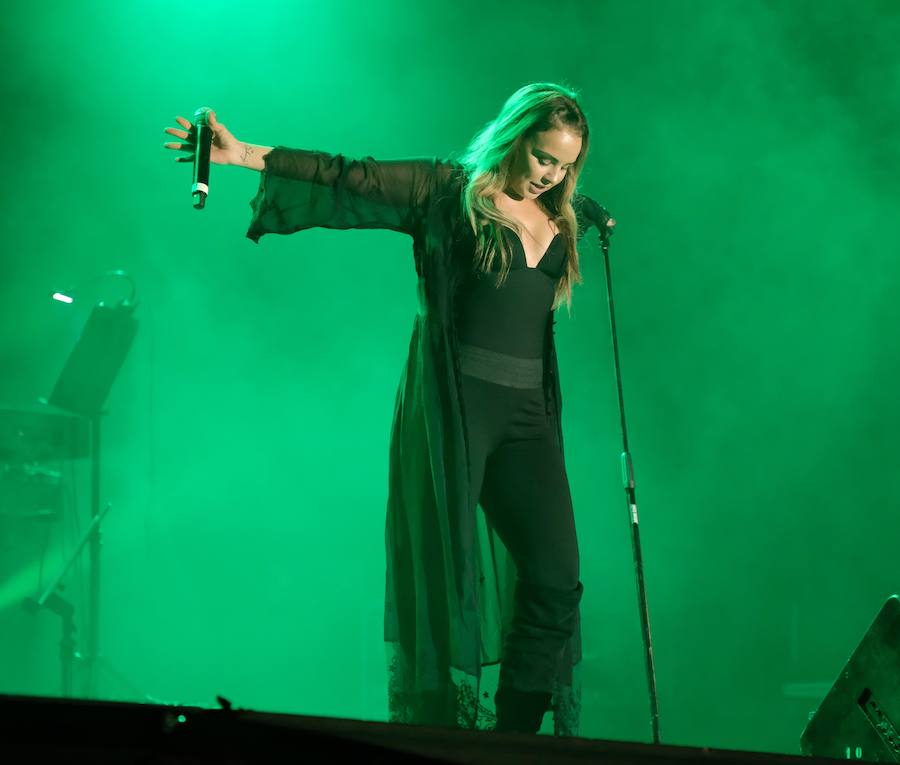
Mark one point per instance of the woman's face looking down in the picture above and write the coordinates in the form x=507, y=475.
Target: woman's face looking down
x=543, y=161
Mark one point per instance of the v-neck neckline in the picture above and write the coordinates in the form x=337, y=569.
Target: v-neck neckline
x=525, y=254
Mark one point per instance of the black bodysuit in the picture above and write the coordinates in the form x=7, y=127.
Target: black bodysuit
x=511, y=320
x=517, y=473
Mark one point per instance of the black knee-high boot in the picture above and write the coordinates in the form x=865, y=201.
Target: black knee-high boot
x=544, y=619
x=520, y=711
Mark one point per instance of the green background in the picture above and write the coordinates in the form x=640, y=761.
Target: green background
x=749, y=151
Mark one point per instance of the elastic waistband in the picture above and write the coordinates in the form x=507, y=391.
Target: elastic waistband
x=501, y=369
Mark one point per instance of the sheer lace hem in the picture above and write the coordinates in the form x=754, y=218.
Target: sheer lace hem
x=461, y=702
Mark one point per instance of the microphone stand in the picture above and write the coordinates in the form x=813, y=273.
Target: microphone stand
x=605, y=227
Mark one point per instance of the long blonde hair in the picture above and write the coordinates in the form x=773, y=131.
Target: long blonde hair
x=487, y=161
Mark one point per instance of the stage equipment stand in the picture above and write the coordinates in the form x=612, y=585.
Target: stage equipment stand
x=605, y=225
x=55, y=602
x=82, y=388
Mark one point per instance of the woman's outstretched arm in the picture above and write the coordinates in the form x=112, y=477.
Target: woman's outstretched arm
x=302, y=189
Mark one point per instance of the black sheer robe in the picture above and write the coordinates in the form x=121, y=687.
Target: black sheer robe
x=449, y=579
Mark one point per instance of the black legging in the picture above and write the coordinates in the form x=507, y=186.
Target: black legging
x=518, y=477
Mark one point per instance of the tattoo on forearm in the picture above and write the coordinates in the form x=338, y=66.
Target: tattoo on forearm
x=248, y=152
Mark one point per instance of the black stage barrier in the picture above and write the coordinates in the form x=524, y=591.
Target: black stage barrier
x=35, y=729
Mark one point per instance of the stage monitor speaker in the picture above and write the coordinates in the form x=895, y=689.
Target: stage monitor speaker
x=859, y=719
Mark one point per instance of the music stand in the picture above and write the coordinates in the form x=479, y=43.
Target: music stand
x=82, y=388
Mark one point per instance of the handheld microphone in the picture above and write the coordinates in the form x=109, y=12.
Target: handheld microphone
x=200, y=187
x=598, y=215
x=606, y=223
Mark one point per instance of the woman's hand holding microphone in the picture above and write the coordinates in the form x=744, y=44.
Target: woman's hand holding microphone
x=225, y=149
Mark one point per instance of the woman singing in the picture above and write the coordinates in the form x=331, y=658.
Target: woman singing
x=482, y=557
